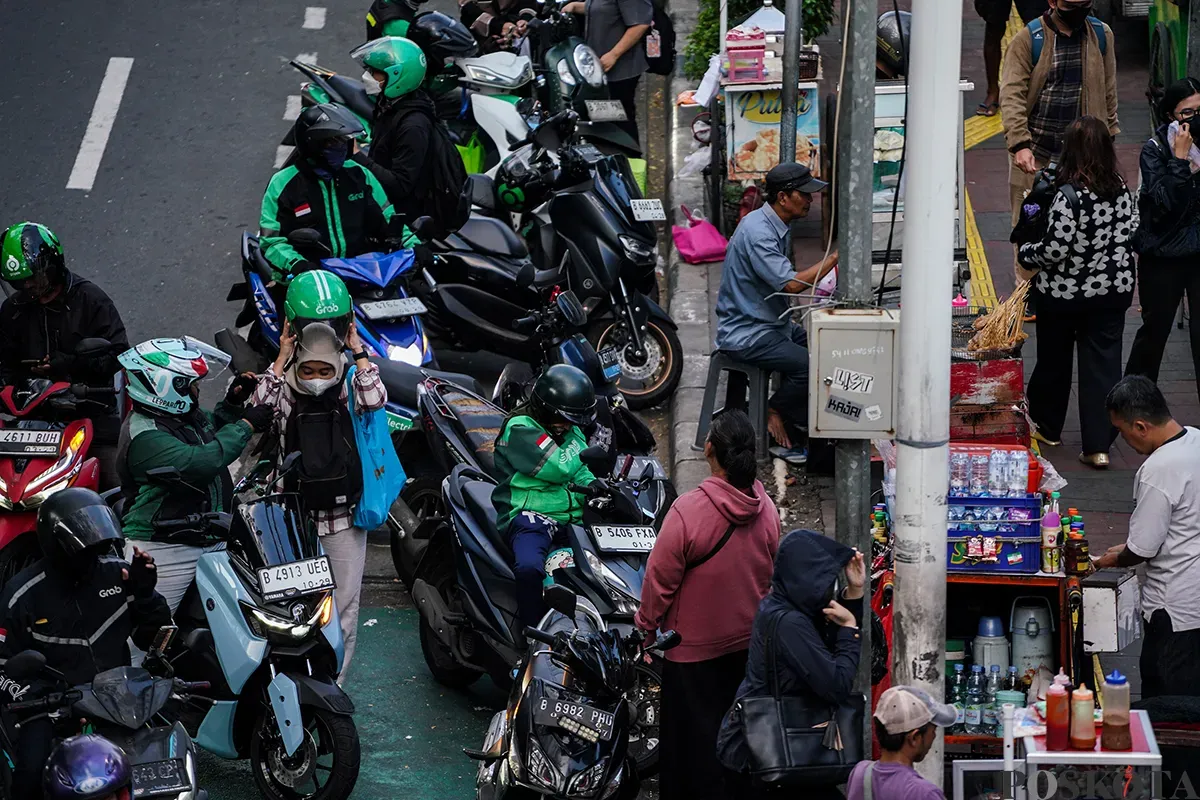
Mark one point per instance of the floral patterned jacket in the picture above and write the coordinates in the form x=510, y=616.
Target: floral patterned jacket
x=1085, y=260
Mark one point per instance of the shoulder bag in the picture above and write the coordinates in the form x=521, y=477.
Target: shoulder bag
x=794, y=742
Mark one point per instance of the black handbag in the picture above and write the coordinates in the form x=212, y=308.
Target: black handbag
x=795, y=743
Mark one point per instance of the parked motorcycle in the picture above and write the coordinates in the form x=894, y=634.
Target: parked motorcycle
x=261, y=625
x=566, y=732
x=127, y=706
x=465, y=587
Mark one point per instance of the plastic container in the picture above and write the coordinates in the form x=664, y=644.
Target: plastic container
x=1058, y=718
x=976, y=700
x=1083, y=719
x=1032, y=627
x=1115, y=733
x=991, y=712
x=1075, y=555
x=1010, y=544
x=1003, y=697
x=957, y=696
x=991, y=645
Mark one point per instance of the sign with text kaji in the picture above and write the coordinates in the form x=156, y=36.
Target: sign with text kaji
x=753, y=135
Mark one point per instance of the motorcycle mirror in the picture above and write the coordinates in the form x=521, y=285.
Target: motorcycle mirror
x=290, y=461
x=594, y=458
x=25, y=665
x=526, y=275
x=561, y=599
x=423, y=227
x=571, y=309
x=666, y=640
x=304, y=237
x=92, y=347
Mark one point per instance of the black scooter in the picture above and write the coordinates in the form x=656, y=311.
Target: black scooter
x=466, y=591
x=565, y=732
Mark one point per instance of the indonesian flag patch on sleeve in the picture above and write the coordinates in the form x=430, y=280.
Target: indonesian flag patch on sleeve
x=544, y=442
x=3, y=635
x=300, y=211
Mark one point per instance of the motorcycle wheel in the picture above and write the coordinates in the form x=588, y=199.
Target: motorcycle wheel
x=646, y=382
x=424, y=496
x=324, y=767
x=646, y=697
x=22, y=552
x=441, y=662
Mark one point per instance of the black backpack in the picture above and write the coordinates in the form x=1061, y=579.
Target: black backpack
x=664, y=28
x=449, y=197
x=1034, y=219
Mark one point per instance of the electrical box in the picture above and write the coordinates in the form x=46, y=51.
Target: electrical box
x=852, y=373
x=1112, y=612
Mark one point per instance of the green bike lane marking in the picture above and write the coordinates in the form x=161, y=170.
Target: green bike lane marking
x=411, y=729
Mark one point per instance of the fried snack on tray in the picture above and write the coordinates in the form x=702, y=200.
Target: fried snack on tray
x=1000, y=329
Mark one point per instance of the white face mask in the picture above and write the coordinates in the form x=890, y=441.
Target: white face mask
x=316, y=386
x=371, y=85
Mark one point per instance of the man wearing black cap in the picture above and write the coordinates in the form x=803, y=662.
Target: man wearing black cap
x=752, y=326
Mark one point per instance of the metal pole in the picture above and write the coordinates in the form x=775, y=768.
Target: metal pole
x=933, y=121
x=856, y=132
x=793, y=28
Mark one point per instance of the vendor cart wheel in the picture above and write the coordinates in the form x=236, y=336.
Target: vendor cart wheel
x=828, y=220
x=1162, y=58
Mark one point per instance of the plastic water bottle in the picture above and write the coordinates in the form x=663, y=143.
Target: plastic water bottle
x=998, y=466
x=976, y=700
x=991, y=715
x=960, y=474
x=1011, y=682
x=957, y=696
x=979, y=475
x=1018, y=473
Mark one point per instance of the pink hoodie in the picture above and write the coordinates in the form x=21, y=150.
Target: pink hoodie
x=712, y=606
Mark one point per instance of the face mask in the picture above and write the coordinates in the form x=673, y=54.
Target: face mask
x=370, y=85
x=316, y=386
x=1074, y=18
x=335, y=156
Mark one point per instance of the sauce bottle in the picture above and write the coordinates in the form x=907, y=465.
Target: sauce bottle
x=1115, y=733
x=1083, y=721
x=1058, y=717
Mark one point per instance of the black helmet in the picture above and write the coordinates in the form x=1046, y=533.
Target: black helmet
x=441, y=37
x=76, y=526
x=318, y=125
x=892, y=41
x=519, y=183
x=563, y=392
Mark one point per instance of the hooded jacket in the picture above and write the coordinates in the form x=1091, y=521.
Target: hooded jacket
x=711, y=606
x=1169, y=226
x=401, y=157
x=814, y=659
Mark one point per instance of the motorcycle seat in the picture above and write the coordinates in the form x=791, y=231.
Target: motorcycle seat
x=478, y=420
x=478, y=497
x=401, y=380
x=491, y=236
x=354, y=94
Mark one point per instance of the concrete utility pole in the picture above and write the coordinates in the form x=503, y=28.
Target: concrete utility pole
x=856, y=135
x=933, y=121
x=793, y=34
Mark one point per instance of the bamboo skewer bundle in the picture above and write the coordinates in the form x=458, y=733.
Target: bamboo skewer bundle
x=1000, y=329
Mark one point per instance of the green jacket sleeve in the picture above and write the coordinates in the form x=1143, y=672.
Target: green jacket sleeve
x=225, y=414
x=275, y=248
x=197, y=464
x=535, y=453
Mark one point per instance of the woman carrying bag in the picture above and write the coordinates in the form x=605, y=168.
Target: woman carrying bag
x=710, y=567
x=348, y=474
x=808, y=631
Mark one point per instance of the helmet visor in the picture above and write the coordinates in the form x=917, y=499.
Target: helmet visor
x=90, y=529
x=340, y=325
x=215, y=356
x=578, y=416
x=376, y=47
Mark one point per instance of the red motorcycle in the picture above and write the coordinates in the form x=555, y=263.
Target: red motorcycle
x=44, y=440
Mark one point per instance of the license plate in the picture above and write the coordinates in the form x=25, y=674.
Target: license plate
x=19, y=442
x=624, y=538
x=296, y=578
x=585, y=721
x=605, y=110
x=648, y=211
x=610, y=362
x=390, y=309
x=160, y=777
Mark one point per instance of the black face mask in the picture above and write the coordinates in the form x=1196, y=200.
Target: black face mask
x=1074, y=18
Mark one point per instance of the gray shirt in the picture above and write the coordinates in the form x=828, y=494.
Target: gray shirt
x=1165, y=528
x=607, y=21
x=756, y=265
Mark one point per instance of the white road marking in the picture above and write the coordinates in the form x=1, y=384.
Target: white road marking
x=104, y=113
x=281, y=154
x=292, y=110
x=307, y=58
x=314, y=18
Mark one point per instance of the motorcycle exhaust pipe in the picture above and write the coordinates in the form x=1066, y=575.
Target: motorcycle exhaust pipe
x=401, y=516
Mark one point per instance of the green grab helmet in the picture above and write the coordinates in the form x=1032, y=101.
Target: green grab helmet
x=398, y=58
x=319, y=296
x=160, y=373
x=31, y=250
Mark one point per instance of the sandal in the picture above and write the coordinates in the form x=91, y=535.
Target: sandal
x=987, y=109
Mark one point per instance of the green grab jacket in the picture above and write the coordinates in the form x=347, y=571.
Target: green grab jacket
x=534, y=471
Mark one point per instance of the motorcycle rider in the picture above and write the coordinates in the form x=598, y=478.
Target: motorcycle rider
x=328, y=191
x=77, y=606
x=50, y=313
x=537, y=456
x=391, y=17
x=167, y=428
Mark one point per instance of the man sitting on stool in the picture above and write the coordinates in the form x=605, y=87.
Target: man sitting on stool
x=752, y=327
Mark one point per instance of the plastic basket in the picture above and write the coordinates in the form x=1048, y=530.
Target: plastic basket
x=1015, y=544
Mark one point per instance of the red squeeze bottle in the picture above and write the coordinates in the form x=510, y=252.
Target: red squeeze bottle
x=1058, y=718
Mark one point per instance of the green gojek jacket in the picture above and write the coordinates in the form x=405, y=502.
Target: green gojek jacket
x=534, y=470
x=351, y=211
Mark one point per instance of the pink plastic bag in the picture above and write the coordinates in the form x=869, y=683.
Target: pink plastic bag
x=699, y=242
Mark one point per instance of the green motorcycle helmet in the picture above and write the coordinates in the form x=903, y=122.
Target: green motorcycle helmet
x=398, y=58
x=318, y=296
x=31, y=258
x=563, y=392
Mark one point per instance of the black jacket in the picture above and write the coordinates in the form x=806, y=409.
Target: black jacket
x=1168, y=204
x=400, y=151
x=81, y=627
x=814, y=659
x=31, y=331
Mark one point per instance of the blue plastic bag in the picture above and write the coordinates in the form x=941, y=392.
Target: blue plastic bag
x=383, y=476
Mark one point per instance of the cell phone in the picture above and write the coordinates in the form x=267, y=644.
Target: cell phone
x=162, y=639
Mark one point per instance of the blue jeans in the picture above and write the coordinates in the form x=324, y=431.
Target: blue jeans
x=531, y=537
x=787, y=355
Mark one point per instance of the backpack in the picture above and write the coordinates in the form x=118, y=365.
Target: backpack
x=661, y=37
x=449, y=197
x=1038, y=32
x=1034, y=218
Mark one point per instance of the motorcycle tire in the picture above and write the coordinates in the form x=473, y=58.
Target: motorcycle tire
x=645, y=750
x=647, y=385
x=423, y=494
x=437, y=569
x=20, y=553
x=339, y=738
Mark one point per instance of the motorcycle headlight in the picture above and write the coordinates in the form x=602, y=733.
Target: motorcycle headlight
x=478, y=74
x=588, y=65
x=35, y=500
x=614, y=783
x=541, y=770
x=5, y=503
x=266, y=625
x=636, y=249
x=409, y=355
x=586, y=783
x=59, y=476
x=564, y=73
x=618, y=591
